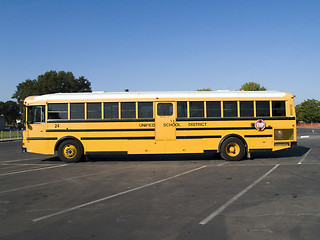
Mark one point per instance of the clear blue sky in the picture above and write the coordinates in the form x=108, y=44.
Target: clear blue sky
x=155, y=45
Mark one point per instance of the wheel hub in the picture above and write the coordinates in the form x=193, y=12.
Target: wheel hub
x=69, y=151
x=233, y=149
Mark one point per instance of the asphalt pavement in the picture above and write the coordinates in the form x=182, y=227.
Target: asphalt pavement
x=270, y=196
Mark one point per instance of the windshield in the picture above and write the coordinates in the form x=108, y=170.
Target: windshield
x=35, y=114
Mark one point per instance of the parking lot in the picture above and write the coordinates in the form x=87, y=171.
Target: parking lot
x=270, y=196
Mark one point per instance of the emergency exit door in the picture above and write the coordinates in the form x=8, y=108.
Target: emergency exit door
x=165, y=121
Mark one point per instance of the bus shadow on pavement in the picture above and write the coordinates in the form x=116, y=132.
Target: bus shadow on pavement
x=298, y=151
x=152, y=157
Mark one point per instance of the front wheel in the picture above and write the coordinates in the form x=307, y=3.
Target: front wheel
x=232, y=149
x=70, y=151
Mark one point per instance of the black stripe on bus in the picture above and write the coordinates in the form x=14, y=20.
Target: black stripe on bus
x=257, y=136
x=198, y=137
x=118, y=138
x=234, y=119
x=102, y=130
x=42, y=138
x=99, y=120
x=221, y=128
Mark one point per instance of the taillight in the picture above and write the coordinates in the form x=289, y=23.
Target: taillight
x=283, y=134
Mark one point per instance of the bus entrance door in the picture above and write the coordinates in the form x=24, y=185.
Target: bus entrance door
x=165, y=121
x=34, y=136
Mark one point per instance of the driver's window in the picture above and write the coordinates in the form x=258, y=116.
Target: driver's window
x=36, y=114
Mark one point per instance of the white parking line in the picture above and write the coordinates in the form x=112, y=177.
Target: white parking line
x=52, y=182
x=221, y=164
x=32, y=170
x=27, y=164
x=235, y=198
x=26, y=159
x=304, y=136
x=304, y=157
x=116, y=195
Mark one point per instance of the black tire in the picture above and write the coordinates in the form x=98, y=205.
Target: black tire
x=232, y=149
x=70, y=151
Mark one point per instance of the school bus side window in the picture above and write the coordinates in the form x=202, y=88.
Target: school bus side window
x=76, y=110
x=263, y=108
x=230, y=109
x=196, y=109
x=145, y=110
x=278, y=108
x=165, y=109
x=213, y=109
x=93, y=110
x=111, y=110
x=246, y=109
x=57, y=111
x=182, y=109
x=128, y=110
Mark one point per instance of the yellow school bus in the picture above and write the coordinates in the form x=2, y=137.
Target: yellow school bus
x=231, y=123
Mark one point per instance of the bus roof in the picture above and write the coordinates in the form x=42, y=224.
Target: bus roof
x=155, y=95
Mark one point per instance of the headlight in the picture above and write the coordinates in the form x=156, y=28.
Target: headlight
x=279, y=134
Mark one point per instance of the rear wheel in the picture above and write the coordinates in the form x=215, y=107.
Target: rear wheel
x=70, y=151
x=232, y=149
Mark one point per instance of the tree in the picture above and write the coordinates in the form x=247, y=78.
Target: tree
x=2, y=108
x=10, y=110
x=252, y=86
x=308, y=111
x=51, y=82
x=204, y=89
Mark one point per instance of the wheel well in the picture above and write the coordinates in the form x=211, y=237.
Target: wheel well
x=233, y=135
x=66, y=138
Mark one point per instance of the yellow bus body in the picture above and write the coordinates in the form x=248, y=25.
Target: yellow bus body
x=161, y=133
